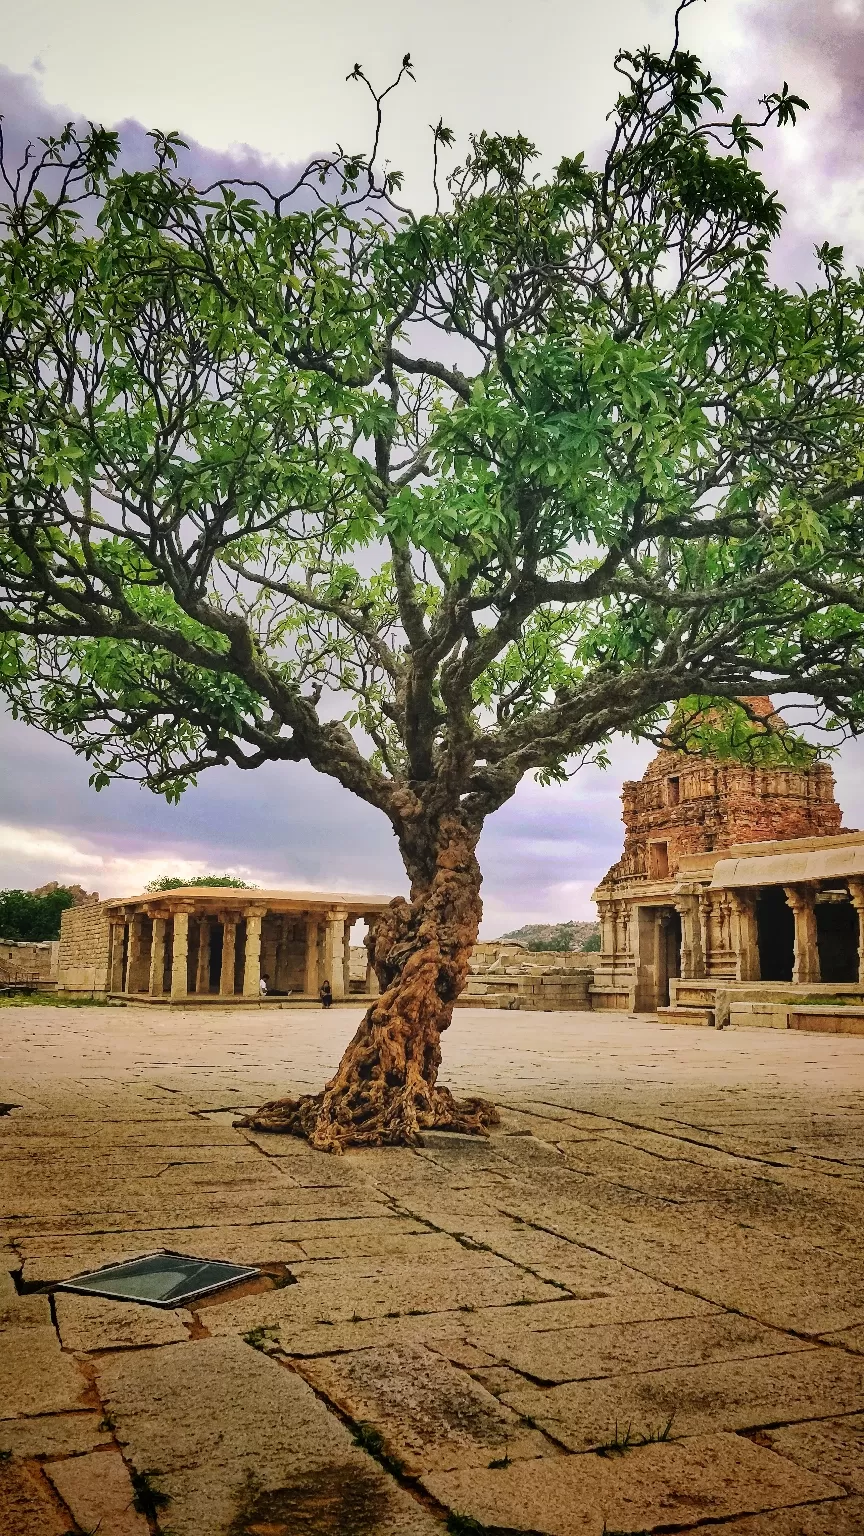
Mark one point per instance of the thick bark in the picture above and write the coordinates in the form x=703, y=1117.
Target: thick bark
x=385, y=1091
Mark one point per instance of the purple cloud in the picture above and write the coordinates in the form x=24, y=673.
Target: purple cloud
x=27, y=117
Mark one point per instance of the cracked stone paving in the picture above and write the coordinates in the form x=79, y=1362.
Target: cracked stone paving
x=638, y=1307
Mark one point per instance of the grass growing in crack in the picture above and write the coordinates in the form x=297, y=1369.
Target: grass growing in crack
x=266, y=1340
x=5, y=1455
x=148, y=1499
x=628, y=1439
x=108, y=1422
x=371, y=1441
x=464, y=1525
x=501, y=1461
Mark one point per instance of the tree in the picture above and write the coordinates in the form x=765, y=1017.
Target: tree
x=591, y=945
x=30, y=917
x=178, y=882
x=430, y=501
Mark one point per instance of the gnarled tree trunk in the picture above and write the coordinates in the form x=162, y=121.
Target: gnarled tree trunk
x=385, y=1091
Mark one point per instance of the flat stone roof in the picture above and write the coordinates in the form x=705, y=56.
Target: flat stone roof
x=220, y=895
x=790, y=868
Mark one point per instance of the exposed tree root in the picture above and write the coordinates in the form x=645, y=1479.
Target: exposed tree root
x=396, y=1123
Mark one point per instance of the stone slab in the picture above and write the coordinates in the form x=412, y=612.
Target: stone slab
x=420, y=1247
x=840, y=1517
x=54, y=1434
x=90, y=1322
x=729, y=1395
x=389, y=1292
x=98, y=1490
x=657, y=1487
x=27, y=1505
x=25, y=1312
x=35, y=1375
x=832, y=1446
x=580, y=1354
x=236, y=1440
x=432, y=1416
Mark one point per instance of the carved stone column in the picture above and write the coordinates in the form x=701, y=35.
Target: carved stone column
x=202, y=969
x=229, y=957
x=692, y=958
x=607, y=929
x=801, y=898
x=856, y=895
x=115, y=972
x=746, y=945
x=704, y=928
x=136, y=957
x=180, y=957
x=334, y=943
x=311, y=981
x=252, y=968
x=157, y=958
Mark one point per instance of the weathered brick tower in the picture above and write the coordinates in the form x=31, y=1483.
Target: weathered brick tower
x=685, y=804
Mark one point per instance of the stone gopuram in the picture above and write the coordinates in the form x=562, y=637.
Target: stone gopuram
x=215, y=943
x=733, y=879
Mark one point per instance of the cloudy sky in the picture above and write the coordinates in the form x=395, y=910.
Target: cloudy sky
x=263, y=84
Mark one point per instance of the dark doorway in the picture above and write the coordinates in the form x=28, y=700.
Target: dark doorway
x=837, y=937
x=670, y=952
x=776, y=929
x=214, y=975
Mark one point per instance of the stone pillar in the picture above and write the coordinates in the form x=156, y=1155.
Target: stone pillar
x=646, y=937
x=157, y=958
x=136, y=958
x=252, y=969
x=334, y=940
x=279, y=978
x=115, y=974
x=801, y=899
x=607, y=928
x=180, y=957
x=856, y=896
x=692, y=957
x=704, y=928
x=746, y=936
x=202, y=969
x=346, y=959
x=311, y=981
x=229, y=956
x=371, y=987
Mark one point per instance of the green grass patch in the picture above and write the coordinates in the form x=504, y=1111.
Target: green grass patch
x=50, y=1000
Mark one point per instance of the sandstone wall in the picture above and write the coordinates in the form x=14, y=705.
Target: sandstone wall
x=84, y=950
x=19, y=960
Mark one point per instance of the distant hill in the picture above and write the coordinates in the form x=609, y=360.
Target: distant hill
x=555, y=936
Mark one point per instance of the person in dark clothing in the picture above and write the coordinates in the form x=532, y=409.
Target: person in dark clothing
x=325, y=994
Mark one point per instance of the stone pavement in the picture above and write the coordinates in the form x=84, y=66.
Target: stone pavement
x=639, y=1307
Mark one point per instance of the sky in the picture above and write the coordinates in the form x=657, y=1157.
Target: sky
x=260, y=86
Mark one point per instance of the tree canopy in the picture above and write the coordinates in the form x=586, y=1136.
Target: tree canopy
x=438, y=498
x=27, y=916
x=429, y=500
x=178, y=882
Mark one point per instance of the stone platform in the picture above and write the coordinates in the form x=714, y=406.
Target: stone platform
x=639, y=1307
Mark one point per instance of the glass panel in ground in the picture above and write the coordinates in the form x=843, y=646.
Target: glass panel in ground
x=162, y=1279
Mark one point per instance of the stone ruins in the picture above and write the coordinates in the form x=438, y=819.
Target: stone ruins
x=738, y=895
x=215, y=942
